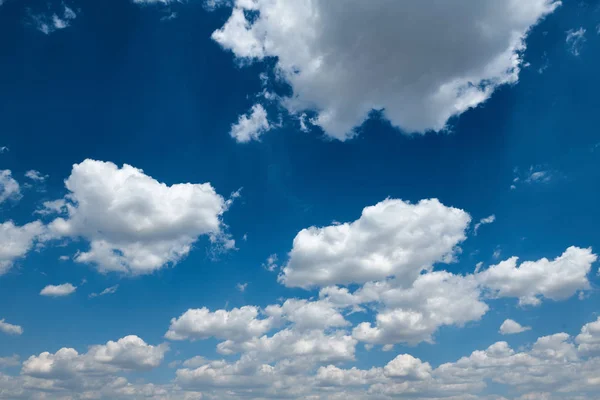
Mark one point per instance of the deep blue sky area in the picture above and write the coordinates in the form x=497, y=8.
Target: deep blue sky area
x=123, y=84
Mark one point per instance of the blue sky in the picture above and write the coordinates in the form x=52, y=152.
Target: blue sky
x=237, y=199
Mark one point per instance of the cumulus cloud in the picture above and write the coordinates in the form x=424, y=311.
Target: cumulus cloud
x=237, y=324
x=575, y=39
x=64, y=289
x=108, y=290
x=16, y=241
x=56, y=21
x=251, y=126
x=510, y=327
x=9, y=188
x=391, y=238
x=589, y=338
x=133, y=223
x=10, y=329
x=421, y=62
x=555, y=279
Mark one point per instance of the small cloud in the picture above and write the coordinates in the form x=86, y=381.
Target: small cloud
x=13, y=360
x=4, y=149
x=10, y=329
x=388, y=347
x=58, y=290
x=478, y=266
x=497, y=253
x=575, y=40
x=510, y=327
x=109, y=290
x=251, y=126
x=271, y=263
x=9, y=188
x=50, y=23
x=169, y=17
x=64, y=258
x=36, y=176
x=242, y=287
x=484, y=221
x=533, y=175
x=245, y=237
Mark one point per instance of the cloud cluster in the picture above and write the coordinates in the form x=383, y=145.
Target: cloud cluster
x=421, y=62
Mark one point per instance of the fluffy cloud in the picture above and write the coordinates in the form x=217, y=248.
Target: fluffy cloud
x=238, y=324
x=589, y=338
x=9, y=188
x=64, y=289
x=135, y=224
x=510, y=327
x=557, y=279
x=307, y=315
x=421, y=62
x=36, y=176
x=16, y=241
x=10, y=329
x=251, y=126
x=391, y=238
x=407, y=367
x=484, y=221
x=411, y=315
x=129, y=352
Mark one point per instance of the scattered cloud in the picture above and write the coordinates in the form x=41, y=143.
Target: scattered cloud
x=510, y=327
x=9, y=188
x=36, y=176
x=575, y=40
x=483, y=221
x=108, y=290
x=10, y=329
x=241, y=286
x=251, y=126
x=271, y=263
x=17, y=241
x=533, y=175
x=457, y=55
x=64, y=289
x=48, y=24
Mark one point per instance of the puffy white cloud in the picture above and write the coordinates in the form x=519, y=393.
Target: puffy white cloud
x=510, y=327
x=484, y=221
x=36, y=176
x=64, y=289
x=50, y=23
x=408, y=367
x=10, y=329
x=555, y=279
x=575, y=39
x=135, y=224
x=16, y=241
x=129, y=352
x=9, y=188
x=108, y=290
x=307, y=315
x=237, y=324
x=391, y=238
x=422, y=62
x=589, y=338
x=251, y=126
x=411, y=315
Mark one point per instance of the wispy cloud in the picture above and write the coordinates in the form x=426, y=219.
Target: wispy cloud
x=575, y=40
x=50, y=23
x=108, y=290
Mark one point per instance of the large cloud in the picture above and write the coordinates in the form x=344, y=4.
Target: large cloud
x=391, y=238
x=421, y=61
x=134, y=223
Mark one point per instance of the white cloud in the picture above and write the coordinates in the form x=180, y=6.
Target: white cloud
x=422, y=62
x=108, y=290
x=307, y=315
x=4, y=149
x=195, y=362
x=135, y=224
x=407, y=367
x=557, y=279
x=50, y=23
x=589, y=338
x=391, y=238
x=484, y=221
x=237, y=324
x=9, y=188
x=16, y=241
x=251, y=126
x=575, y=40
x=271, y=263
x=510, y=327
x=241, y=287
x=36, y=176
x=11, y=361
x=10, y=329
x=129, y=352
x=64, y=289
